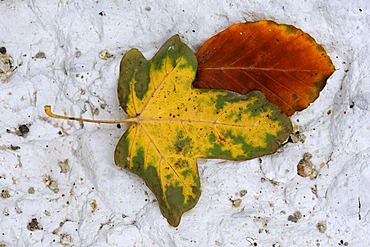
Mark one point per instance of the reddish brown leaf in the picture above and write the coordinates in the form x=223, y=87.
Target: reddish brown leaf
x=283, y=62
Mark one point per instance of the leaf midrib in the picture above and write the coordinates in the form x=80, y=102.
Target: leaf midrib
x=142, y=121
x=256, y=68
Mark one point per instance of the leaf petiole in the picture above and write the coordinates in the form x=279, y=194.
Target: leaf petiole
x=47, y=109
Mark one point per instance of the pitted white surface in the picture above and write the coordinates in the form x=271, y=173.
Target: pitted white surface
x=99, y=205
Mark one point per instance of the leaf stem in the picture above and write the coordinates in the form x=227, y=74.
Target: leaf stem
x=47, y=109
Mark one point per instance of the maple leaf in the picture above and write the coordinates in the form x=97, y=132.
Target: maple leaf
x=281, y=61
x=173, y=124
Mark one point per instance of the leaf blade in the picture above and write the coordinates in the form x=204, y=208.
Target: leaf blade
x=283, y=62
x=176, y=124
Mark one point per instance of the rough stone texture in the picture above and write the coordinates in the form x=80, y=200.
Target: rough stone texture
x=56, y=46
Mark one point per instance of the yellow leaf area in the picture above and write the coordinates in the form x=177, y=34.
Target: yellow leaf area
x=174, y=124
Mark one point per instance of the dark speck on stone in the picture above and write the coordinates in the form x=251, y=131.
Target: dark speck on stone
x=23, y=129
x=14, y=147
x=2, y=50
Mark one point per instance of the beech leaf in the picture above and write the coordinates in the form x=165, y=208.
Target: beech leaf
x=174, y=124
x=281, y=61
